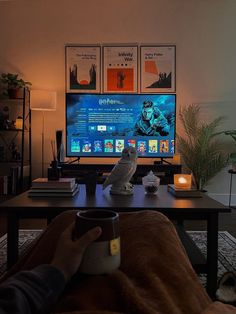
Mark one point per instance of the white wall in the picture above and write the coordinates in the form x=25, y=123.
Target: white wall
x=33, y=35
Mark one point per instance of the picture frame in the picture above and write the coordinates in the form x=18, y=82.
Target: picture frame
x=157, y=68
x=120, y=69
x=83, y=68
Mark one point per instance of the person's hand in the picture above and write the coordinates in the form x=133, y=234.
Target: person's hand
x=69, y=252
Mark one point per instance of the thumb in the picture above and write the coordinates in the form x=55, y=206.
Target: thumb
x=88, y=237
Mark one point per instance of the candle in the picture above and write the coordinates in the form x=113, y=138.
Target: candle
x=19, y=123
x=182, y=181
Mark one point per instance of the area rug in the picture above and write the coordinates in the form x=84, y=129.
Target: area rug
x=226, y=253
x=26, y=239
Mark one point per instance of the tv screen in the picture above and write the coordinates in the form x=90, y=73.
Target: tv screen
x=101, y=125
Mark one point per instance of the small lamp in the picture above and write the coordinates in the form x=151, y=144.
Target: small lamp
x=182, y=181
x=43, y=100
x=19, y=123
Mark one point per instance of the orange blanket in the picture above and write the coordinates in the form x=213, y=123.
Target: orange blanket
x=155, y=275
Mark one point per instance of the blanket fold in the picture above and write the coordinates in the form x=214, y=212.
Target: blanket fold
x=155, y=275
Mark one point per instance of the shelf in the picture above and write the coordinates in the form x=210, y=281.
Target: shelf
x=16, y=142
x=16, y=130
x=11, y=99
x=10, y=161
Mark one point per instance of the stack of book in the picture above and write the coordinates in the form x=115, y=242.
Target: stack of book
x=64, y=187
x=183, y=192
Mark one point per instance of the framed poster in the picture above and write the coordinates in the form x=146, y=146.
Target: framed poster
x=120, y=69
x=83, y=69
x=157, y=69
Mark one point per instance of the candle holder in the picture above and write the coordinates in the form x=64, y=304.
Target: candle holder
x=54, y=172
x=183, y=181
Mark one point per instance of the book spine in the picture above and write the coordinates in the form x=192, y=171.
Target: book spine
x=14, y=179
x=5, y=185
x=1, y=185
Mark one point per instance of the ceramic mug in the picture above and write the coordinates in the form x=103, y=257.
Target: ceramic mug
x=103, y=255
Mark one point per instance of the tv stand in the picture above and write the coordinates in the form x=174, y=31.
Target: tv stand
x=162, y=161
x=165, y=171
x=76, y=160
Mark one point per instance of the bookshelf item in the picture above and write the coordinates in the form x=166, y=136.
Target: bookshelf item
x=62, y=183
x=183, y=192
x=15, y=142
x=64, y=187
x=54, y=192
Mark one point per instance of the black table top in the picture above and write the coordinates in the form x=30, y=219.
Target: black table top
x=163, y=201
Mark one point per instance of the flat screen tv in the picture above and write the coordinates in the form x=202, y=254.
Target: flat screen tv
x=101, y=125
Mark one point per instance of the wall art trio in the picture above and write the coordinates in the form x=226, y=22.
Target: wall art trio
x=114, y=68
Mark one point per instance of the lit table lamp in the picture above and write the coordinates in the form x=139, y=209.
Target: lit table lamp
x=182, y=181
x=19, y=123
x=43, y=100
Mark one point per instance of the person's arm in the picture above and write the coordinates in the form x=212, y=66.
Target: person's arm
x=31, y=291
x=36, y=290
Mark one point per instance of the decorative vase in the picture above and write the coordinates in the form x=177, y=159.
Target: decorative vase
x=54, y=172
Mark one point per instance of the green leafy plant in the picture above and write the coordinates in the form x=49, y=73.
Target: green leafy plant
x=13, y=84
x=232, y=156
x=201, y=149
x=13, y=81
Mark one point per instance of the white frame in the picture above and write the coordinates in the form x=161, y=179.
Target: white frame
x=157, y=69
x=86, y=61
x=120, y=59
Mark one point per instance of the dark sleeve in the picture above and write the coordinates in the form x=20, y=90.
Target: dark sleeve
x=31, y=291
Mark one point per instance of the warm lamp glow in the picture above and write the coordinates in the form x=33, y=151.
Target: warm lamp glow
x=19, y=123
x=42, y=100
x=182, y=181
x=176, y=159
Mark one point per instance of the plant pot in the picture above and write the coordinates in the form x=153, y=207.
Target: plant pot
x=232, y=159
x=13, y=93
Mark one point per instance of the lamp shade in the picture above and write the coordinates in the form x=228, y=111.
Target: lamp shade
x=43, y=100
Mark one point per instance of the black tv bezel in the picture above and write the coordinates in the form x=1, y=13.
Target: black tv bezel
x=110, y=94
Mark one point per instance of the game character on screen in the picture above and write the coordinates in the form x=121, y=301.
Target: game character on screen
x=151, y=121
x=97, y=146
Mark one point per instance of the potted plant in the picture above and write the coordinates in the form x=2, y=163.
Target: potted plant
x=232, y=156
x=13, y=84
x=201, y=149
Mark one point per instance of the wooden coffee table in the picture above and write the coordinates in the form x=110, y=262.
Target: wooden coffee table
x=179, y=209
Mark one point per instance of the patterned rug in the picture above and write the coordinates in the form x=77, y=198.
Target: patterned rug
x=26, y=238
x=226, y=251
x=226, y=254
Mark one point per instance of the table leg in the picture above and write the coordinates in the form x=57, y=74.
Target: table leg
x=230, y=189
x=12, y=239
x=212, y=253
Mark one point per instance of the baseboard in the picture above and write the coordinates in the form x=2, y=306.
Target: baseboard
x=223, y=198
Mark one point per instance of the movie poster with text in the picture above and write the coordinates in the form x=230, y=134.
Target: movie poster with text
x=120, y=69
x=83, y=69
x=157, y=69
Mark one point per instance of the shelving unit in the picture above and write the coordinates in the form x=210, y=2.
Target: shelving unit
x=15, y=144
x=231, y=172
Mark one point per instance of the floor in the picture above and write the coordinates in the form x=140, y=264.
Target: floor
x=227, y=222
